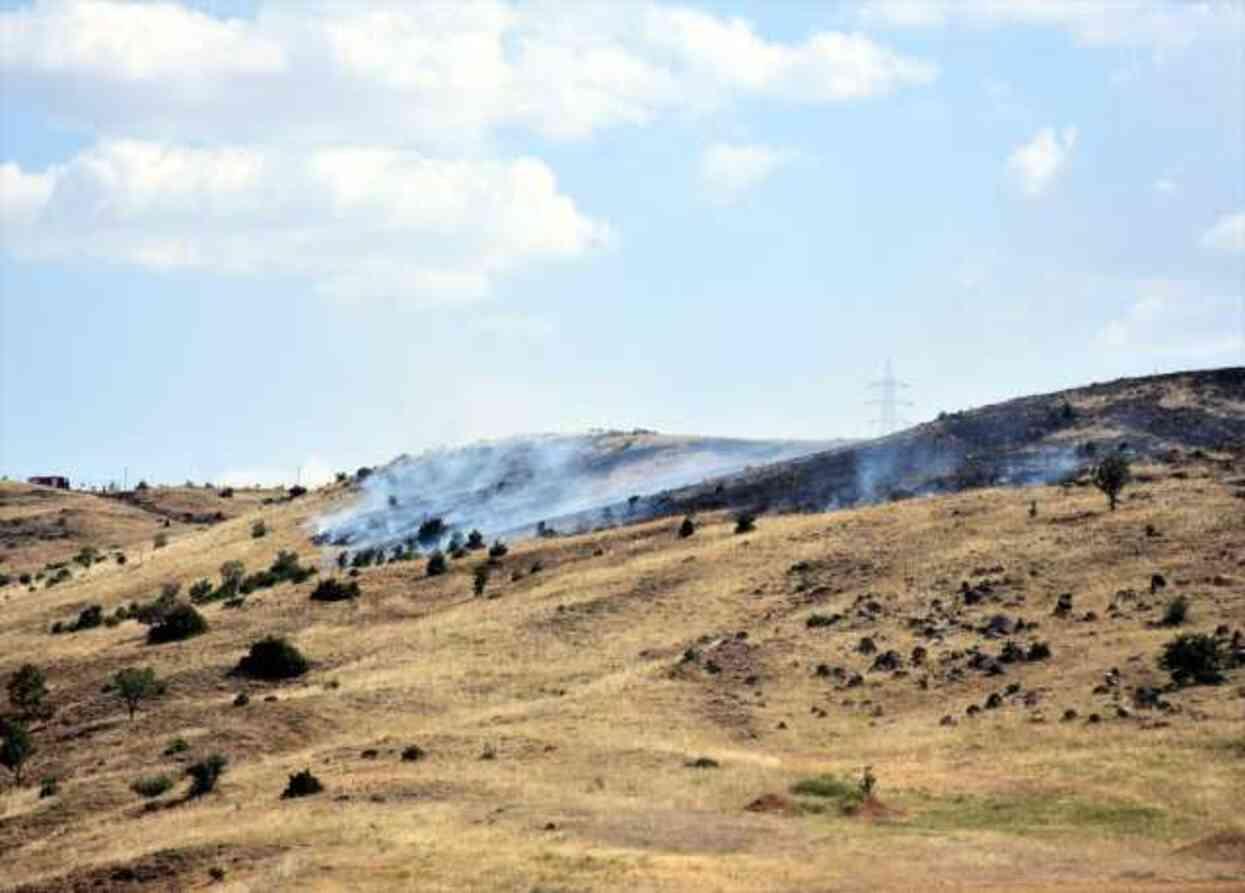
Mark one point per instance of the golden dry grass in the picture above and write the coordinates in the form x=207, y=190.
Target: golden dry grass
x=573, y=678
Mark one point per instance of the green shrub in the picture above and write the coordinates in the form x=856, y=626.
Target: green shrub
x=16, y=747
x=273, y=658
x=1194, y=659
x=302, y=784
x=24, y=579
x=1111, y=475
x=151, y=786
x=844, y=793
x=475, y=540
x=745, y=523
x=176, y=746
x=49, y=786
x=1177, y=611
x=687, y=528
x=201, y=591
x=133, y=686
x=436, y=564
x=28, y=690
x=160, y=540
x=330, y=590
x=498, y=550
x=259, y=529
x=205, y=774
x=181, y=622
x=86, y=556
x=479, y=579
x=88, y=618
x=226, y=493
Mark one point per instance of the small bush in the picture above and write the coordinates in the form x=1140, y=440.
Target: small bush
x=436, y=564
x=49, y=786
x=273, y=658
x=151, y=786
x=296, y=491
x=121, y=559
x=1177, y=611
x=24, y=579
x=176, y=746
x=88, y=618
x=844, y=793
x=201, y=591
x=431, y=532
x=259, y=529
x=745, y=523
x=133, y=686
x=1111, y=475
x=28, y=690
x=181, y=622
x=205, y=774
x=818, y=620
x=498, y=550
x=475, y=540
x=226, y=493
x=330, y=590
x=479, y=579
x=16, y=747
x=687, y=528
x=160, y=541
x=1193, y=659
x=302, y=784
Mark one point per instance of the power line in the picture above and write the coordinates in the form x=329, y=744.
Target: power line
x=889, y=402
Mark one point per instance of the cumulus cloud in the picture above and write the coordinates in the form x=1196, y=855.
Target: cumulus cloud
x=727, y=171
x=1227, y=235
x=1162, y=25
x=415, y=74
x=1034, y=165
x=356, y=222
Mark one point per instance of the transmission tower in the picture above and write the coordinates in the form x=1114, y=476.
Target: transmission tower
x=889, y=402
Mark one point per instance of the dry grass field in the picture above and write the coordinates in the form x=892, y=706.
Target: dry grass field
x=561, y=716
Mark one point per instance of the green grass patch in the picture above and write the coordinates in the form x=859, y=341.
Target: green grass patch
x=830, y=791
x=1043, y=813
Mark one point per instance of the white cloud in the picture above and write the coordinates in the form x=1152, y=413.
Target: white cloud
x=1227, y=236
x=727, y=171
x=1166, y=187
x=414, y=74
x=1174, y=318
x=1035, y=164
x=354, y=222
x=1161, y=26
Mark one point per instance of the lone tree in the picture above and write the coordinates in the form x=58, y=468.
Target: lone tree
x=133, y=686
x=15, y=747
x=27, y=690
x=1111, y=475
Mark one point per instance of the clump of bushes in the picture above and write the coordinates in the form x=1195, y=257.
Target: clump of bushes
x=431, y=532
x=475, y=540
x=302, y=784
x=330, y=590
x=226, y=493
x=151, y=786
x=200, y=590
x=285, y=568
x=273, y=658
x=88, y=618
x=179, y=623
x=205, y=774
x=296, y=491
x=1194, y=659
x=62, y=575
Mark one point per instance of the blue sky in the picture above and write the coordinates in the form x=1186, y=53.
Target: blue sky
x=238, y=238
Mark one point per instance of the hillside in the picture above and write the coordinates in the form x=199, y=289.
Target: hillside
x=634, y=710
